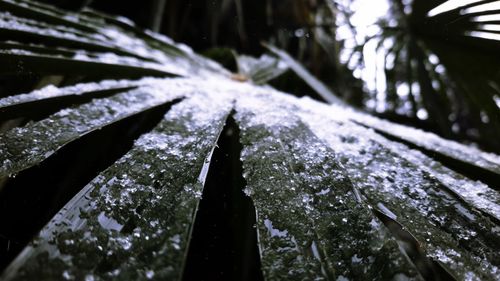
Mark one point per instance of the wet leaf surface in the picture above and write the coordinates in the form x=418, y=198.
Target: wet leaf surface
x=133, y=220
x=306, y=205
x=338, y=194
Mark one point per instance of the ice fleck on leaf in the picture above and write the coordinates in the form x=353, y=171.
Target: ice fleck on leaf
x=108, y=223
x=274, y=231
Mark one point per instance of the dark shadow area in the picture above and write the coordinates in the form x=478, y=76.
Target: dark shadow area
x=223, y=245
x=14, y=84
x=35, y=195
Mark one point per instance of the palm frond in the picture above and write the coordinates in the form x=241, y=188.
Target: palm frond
x=125, y=179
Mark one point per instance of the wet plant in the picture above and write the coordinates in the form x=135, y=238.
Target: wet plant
x=126, y=155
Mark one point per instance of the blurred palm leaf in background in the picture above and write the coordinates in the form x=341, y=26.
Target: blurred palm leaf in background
x=433, y=64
